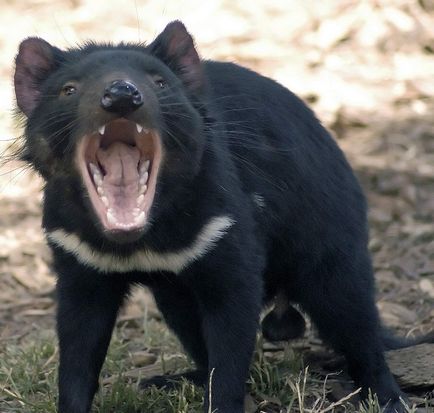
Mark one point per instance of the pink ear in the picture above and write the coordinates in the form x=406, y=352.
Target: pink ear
x=34, y=61
x=175, y=47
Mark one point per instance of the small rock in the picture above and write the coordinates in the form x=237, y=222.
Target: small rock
x=386, y=278
x=379, y=216
x=413, y=366
x=395, y=314
x=392, y=184
x=410, y=194
x=375, y=244
x=16, y=257
x=341, y=389
x=142, y=358
x=427, y=286
x=250, y=405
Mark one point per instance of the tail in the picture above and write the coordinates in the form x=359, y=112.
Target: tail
x=391, y=342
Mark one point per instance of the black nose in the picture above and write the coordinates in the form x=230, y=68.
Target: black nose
x=122, y=97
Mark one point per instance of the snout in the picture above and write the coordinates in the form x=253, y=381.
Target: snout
x=121, y=97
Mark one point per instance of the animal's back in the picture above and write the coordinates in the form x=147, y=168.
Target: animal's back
x=307, y=197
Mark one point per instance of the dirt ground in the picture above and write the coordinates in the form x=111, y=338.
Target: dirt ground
x=366, y=68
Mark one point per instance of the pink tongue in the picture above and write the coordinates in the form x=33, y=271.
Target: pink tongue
x=121, y=181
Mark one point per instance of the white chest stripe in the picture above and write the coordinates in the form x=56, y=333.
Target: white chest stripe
x=146, y=260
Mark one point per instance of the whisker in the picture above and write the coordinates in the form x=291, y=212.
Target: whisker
x=21, y=170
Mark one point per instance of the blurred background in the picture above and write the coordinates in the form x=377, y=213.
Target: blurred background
x=366, y=67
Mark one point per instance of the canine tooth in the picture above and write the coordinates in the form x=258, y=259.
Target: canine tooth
x=101, y=130
x=140, y=199
x=139, y=127
x=111, y=218
x=144, y=178
x=105, y=201
x=143, y=189
x=100, y=190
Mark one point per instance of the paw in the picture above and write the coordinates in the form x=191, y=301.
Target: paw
x=170, y=381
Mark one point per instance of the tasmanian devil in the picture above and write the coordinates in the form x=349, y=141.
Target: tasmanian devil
x=215, y=187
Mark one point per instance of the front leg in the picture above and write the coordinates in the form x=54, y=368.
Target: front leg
x=230, y=304
x=87, y=309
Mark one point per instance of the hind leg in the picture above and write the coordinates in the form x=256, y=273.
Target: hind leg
x=340, y=300
x=284, y=322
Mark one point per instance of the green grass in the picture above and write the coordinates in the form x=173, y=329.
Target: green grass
x=278, y=381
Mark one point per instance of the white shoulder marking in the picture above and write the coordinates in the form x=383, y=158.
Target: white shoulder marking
x=145, y=260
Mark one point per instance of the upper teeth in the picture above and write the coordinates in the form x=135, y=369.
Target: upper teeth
x=93, y=168
x=139, y=128
x=97, y=178
x=143, y=178
x=144, y=166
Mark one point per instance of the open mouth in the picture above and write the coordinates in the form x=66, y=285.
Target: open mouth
x=119, y=165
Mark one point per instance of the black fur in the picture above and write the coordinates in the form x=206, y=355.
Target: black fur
x=236, y=144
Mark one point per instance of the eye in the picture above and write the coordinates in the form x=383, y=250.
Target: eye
x=68, y=89
x=160, y=82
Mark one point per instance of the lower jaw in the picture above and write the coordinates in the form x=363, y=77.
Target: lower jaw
x=124, y=237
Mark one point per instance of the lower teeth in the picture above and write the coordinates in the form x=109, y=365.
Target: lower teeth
x=111, y=218
x=139, y=218
x=140, y=199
